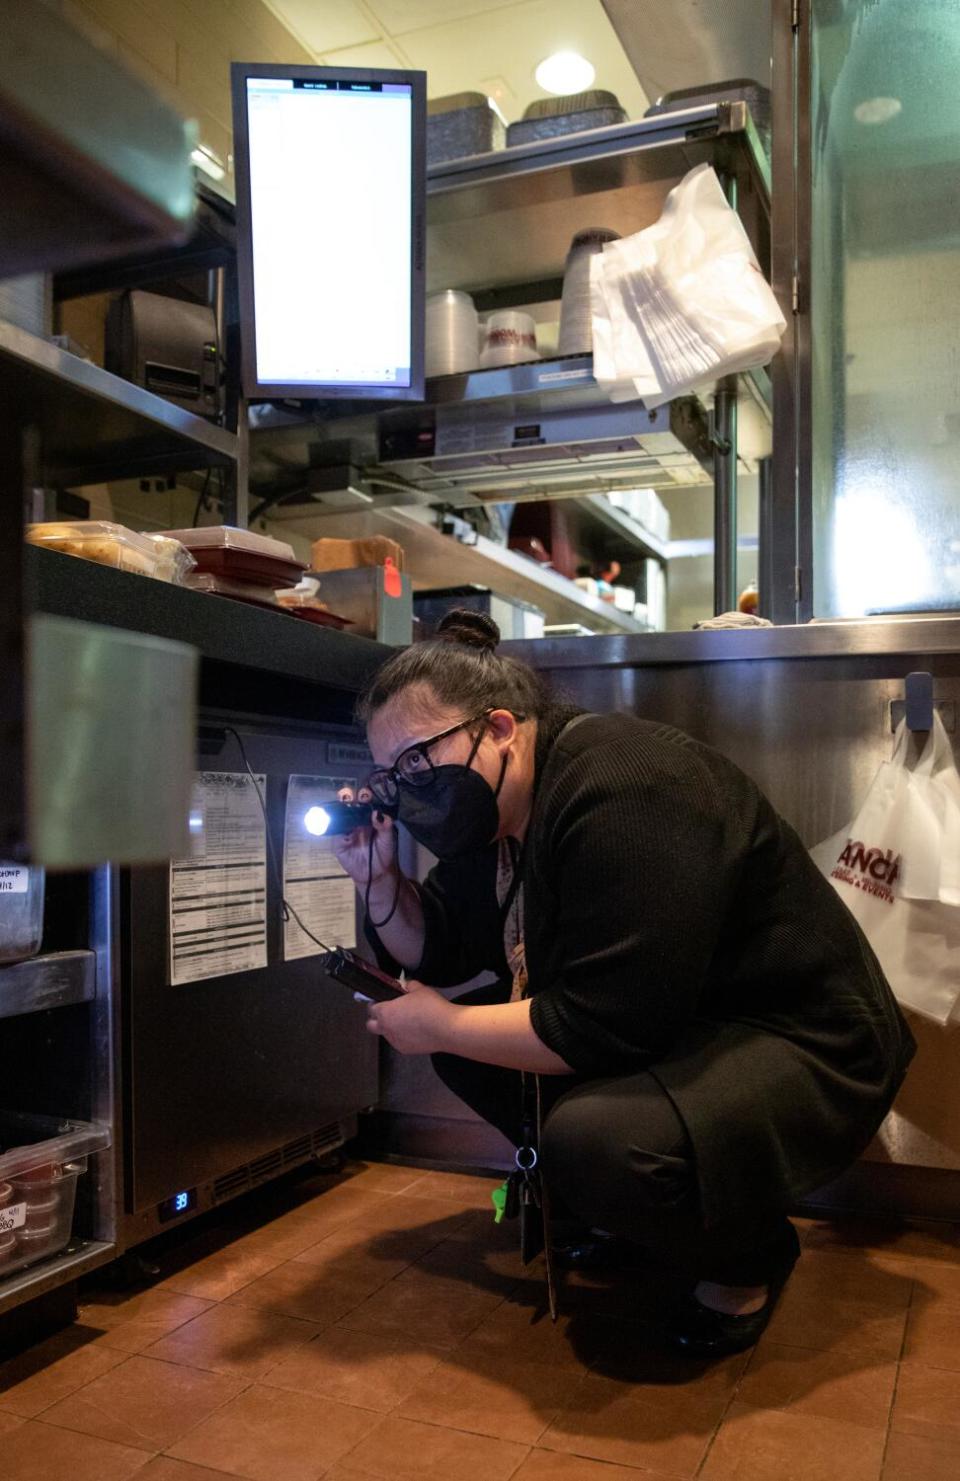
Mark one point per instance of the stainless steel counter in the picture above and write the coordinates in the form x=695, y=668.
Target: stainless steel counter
x=871, y=637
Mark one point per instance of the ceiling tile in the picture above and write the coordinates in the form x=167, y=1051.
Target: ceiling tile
x=326, y=26
x=399, y=16
x=509, y=42
x=376, y=54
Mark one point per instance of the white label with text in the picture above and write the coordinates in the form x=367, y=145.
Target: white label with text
x=12, y=1217
x=14, y=879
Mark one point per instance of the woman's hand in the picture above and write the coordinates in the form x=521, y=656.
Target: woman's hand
x=353, y=849
x=417, y=1023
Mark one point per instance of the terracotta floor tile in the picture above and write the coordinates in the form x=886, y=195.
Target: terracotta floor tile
x=496, y=1269
x=428, y=1310
x=805, y=1319
x=268, y=1434
x=550, y=1465
x=462, y=1188
x=165, y=1468
x=857, y=1276
x=136, y=1324
x=144, y=1403
x=377, y=1255
x=337, y=1206
x=571, y=1342
x=933, y=1456
x=39, y=1452
x=436, y=1218
x=218, y=1276
x=8, y=1421
x=847, y=1386
x=769, y=1445
x=234, y=1339
x=48, y=1372
x=368, y=1369
x=490, y=1396
x=401, y=1450
x=929, y=1240
x=662, y=1429
x=933, y=1280
x=933, y=1334
x=927, y=1398
x=383, y=1177
x=305, y=1291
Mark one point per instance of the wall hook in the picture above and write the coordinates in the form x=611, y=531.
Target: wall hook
x=918, y=691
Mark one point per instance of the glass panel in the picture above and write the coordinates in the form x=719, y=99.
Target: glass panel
x=886, y=305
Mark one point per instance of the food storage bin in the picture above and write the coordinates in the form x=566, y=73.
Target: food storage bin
x=547, y=118
x=21, y=911
x=240, y=555
x=40, y=1162
x=462, y=124
x=99, y=540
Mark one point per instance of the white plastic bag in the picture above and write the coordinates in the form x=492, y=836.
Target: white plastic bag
x=888, y=866
x=683, y=302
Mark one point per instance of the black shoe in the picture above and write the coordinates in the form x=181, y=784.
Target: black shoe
x=701, y=1332
x=592, y=1249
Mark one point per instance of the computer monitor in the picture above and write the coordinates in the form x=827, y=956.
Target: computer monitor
x=331, y=197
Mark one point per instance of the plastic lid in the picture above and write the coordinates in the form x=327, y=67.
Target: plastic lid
x=597, y=97
x=227, y=537
x=80, y=530
x=39, y=1141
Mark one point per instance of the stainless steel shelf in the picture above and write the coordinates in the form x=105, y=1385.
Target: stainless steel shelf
x=79, y=1258
x=623, y=533
x=436, y=559
x=52, y=981
x=507, y=218
x=94, y=426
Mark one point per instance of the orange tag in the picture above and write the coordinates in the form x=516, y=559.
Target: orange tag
x=392, y=580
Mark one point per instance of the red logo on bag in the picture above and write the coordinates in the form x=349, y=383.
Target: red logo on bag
x=872, y=870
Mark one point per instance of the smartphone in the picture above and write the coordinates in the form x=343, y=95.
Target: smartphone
x=360, y=977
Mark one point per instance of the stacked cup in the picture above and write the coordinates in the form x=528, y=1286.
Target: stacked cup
x=452, y=333
x=509, y=338
x=576, y=320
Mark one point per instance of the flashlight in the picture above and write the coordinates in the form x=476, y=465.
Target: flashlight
x=337, y=817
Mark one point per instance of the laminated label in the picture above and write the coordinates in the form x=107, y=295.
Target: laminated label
x=14, y=1216
x=14, y=879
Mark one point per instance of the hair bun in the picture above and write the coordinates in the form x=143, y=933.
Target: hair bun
x=472, y=629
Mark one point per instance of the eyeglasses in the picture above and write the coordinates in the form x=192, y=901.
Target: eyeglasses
x=414, y=765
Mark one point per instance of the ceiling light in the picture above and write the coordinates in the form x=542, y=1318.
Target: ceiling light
x=565, y=72
x=877, y=110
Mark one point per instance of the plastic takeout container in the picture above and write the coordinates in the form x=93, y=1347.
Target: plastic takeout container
x=241, y=555
x=99, y=540
x=21, y=911
x=175, y=561
x=41, y=1160
x=240, y=591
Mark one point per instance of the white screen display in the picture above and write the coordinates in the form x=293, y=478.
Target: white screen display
x=331, y=214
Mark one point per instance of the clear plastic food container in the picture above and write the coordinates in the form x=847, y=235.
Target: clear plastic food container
x=175, y=561
x=40, y=1163
x=99, y=540
x=241, y=591
x=21, y=911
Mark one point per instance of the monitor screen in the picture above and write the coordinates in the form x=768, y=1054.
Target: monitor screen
x=330, y=201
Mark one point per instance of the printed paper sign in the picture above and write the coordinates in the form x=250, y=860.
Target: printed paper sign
x=218, y=897
x=314, y=881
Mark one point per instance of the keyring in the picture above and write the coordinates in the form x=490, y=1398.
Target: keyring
x=526, y=1166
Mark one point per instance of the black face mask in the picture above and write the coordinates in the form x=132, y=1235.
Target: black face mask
x=452, y=814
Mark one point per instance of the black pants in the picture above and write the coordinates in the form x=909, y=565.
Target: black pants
x=617, y=1157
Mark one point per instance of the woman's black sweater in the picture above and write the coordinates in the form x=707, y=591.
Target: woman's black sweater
x=675, y=923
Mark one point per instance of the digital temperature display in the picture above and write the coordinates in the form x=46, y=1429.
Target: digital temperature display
x=181, y=1203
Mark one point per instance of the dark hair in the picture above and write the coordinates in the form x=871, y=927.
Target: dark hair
x=461, y=665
